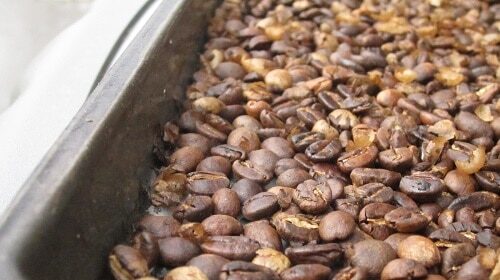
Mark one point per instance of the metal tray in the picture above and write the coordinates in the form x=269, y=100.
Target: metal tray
x=84, y=196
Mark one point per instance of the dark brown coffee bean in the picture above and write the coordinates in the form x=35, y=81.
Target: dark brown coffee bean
x=232, y=153
x=403, y=269
x=362, y=176
x=285, y=164
x=169, y=188
x=229, y=69
x=306, y=271
x=227, y=202
x=194, y=140
x=246, y=270
x=215, y=164
x=302, y=140
x=488, y=180
x=194, y=209
x=206, y=182
x=127, y=263
x=261, y=205
x=244, y=139
x=177, y=251
x=371, y=255
x=304, y=161
x=372, y=192
x=262, y=232
x=326, y=254
x=323, y=150
x=296, y=227
x=406, y=220
x=477, y=201
x=247, y=121
x=209, y=264
x=210, y=132
x=421, y=187
x=193, y=232
x=420, y=249
x=425, y=71
x=371, y=220
x=159, y=226
x=222, y=225
x=292, y=177
x=264, y=158
x=245, y=189
x=312, y=197
x=231, y=112
x=397, y=159
x=247, y=170
x=284, y=194
x=280, y=146
x=336, y=225
x=455, y=256
x=459, y=182
x=475, y=268
x=351, y=273
x=394, y=239
x=188, y=120
x=361, y=157
x=231, y=247
x=465, y=215
x=349, y=205
x=147, y=245
x=431, y=210
x=471, y=123
x=185, y=159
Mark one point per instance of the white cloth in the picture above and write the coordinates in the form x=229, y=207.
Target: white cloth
x=57, y=85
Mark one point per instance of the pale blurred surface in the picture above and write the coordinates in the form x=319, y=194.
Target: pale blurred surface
x=46, y=74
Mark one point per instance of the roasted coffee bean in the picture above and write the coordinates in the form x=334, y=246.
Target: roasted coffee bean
x=455, y=256
x=292, y=177
x=306, y=271
x=245, y=189
x=336, y=225
x=194, y=140
x=284, y=194
x=420, y=249
x=296, y=227
x=177, y=251
x=403, y=269
x=261, y=205
x=272, y=259
x=323, y=150
x=459, y=182
x=397, y=159
x=312, y=197
x=262, y=232
x=185, y=273
x=351, y=273
x=244, y=139
x=479, y=267
x=372, y=192
x=159, y=226
x=232, y=153
x=477, y=201
x=227, y=202
x=248, y=121
x=361, y=157
x=371, y=255
x=285, y=164
x=222, y=225
x=406, y=220
x=215, y=164
x=127, y=263
x=362, y=176
x=206, y=182
x=185, y=159
x=421, y=187
x=209, y=264
x=193, y=232
x=326, y=254
x=246, y=270
x=371, y=220
x=248, y=170
x=264, y=158
x=394, y=239
x=465, y=215
x=194, y=209
x=231, y=247
x=280, y=146
x=349, y=205
x=488, y=180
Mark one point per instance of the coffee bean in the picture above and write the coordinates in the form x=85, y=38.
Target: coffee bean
x=127, y=262
x=159, y=226
x=264, y=158
x=312, y=197
x=147, y=245
x=421, y=187
x=292, y=177
x=194, y=140
x=261, y=205
x=246, y=270
x=244, y=139
x=397, y=159
x=326, y=254
x=231, y=247
x=248, y=170
x=222, y=225
x=296, y=227
x=475, y=268
x=226, y=201
x=194, y=209
x=372, y=192
x=371, y=220
x=336, y=225
x=477, y=201
x=362, y=176
x=371, y=255
x=206, y=182
x=323, y=150
x=394, y=239
x=455, y=256
x=420, y=249
x=406, y=220
x=306, y=271
x=245, y=189
x=351, y=273
x=262, y=232
x=185, y=159
x=403, y=269
x=272, y=259
x=281, y=147
x=361, y=157
x=209, y=264
x=459, y=182
x=232, y=153
x=177, y=251
x=215, y=164
x=186, y=273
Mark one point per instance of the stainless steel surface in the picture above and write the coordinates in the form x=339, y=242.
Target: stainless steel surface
x=85, y=194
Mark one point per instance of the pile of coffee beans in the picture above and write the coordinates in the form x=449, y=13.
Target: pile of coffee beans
x=332, y=139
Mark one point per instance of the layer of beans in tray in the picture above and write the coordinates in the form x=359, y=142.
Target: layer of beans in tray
x=337, y=140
